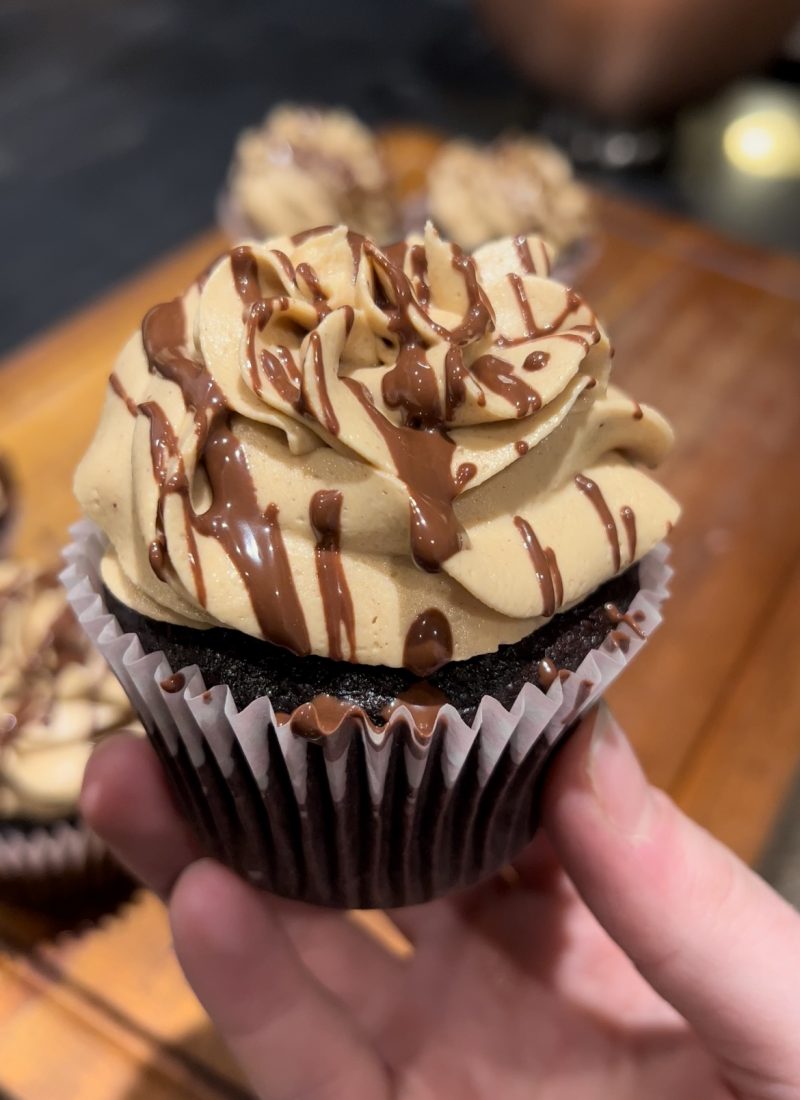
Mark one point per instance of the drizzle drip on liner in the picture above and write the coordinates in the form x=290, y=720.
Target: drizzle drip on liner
x=547, y=673
x=615, y=617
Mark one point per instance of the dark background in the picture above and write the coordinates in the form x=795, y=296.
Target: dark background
x=117, y=121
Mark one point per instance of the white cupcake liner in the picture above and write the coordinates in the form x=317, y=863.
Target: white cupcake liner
x=361, y=816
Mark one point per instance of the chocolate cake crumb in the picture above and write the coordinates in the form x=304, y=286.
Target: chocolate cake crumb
x=252, y=668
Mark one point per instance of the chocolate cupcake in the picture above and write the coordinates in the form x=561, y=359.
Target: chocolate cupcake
x=304, y=166
x=57, y=698
x=514, y=185
x=382, y=533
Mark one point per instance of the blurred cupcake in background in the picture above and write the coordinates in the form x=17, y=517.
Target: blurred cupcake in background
x=57, y=699
x=305, y=167
x=515, y=185
x=6, y=504
x=408, y=151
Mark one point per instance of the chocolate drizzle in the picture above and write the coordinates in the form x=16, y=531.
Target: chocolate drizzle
x=593, y=492
x=547, y=673
x=532, y=329
x=244, y=269
x=278, y=365
x=615, y=617
x=173, y=684
x=170, y=475
x=307, y=234
x=479, y=316
x=419, y=269
x=628, y=517
x=465, y=473
x=250, y=536
x=419, y=448
x=356, y=243
x=424, y=702
x=618, y=639
x=429, y=643
x=423, y=460
x=498, y=376
x=537, y=360
x=545, y=566
x=118, y=388
x=455, y=391
x=286, y=264
x=309, y=276
x=325, y=514
x=329, y=419
x=524, y=253
x=321, y=717
x=411, y=385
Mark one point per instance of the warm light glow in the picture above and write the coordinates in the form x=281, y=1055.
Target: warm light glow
x=764, y=143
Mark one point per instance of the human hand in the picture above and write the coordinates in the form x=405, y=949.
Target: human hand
x=516, y=988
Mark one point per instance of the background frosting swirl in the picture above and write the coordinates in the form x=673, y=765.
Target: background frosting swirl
x=515, y=184
x=393, y=456
x=303, y=166
x=58, y=697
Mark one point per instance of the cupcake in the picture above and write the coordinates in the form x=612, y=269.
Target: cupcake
x=514, y=185
x=367, y=530
x=305, y=167
x=57, y=698
x=6, y=504
x=408, y=151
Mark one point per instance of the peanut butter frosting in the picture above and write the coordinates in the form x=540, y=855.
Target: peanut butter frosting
x=514, y=185
x=309, y=167
x=402, y=456
x=57, y=697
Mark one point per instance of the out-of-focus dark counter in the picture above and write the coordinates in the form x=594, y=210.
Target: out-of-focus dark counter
x=117, y=120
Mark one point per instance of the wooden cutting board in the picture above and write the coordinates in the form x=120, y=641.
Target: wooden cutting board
x=706, y=330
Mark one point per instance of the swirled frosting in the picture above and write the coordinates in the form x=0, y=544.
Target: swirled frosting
x=306, y=167
x=57, y=697
x=514, y=185
x=393, y=457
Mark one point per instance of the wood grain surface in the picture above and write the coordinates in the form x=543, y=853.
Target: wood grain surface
x=706, y=330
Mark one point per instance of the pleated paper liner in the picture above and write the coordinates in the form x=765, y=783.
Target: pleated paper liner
x=359, y=817
x=60, y=869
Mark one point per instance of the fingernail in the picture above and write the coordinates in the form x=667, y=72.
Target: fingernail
x=619, y=784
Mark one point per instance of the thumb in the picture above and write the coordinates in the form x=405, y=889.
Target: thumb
x=709, y=935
